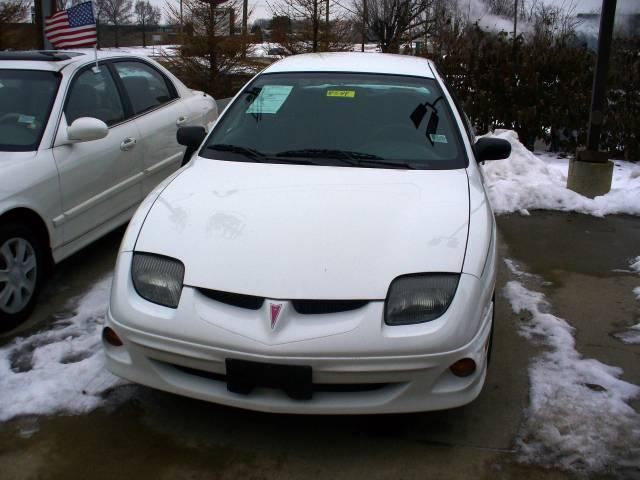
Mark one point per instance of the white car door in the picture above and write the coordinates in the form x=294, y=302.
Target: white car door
x=159, y=112
x=99, y=179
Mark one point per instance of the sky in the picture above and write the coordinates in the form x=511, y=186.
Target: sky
x=261, y=8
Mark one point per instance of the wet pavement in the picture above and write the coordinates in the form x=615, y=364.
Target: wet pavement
x=142, y=433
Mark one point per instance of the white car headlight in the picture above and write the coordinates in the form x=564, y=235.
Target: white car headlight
x=419, y=298
x=157, y=278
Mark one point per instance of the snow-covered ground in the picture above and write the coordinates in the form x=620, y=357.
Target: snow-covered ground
x=578, y=417
x=527, y=181
x=150, y=51
x=632, y=335
x=60, y=368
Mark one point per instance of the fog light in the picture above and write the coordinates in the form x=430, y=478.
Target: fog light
x=463, y=368
x=111, y=337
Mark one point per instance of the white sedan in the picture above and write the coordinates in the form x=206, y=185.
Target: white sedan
x=331, y=248
x=80, y=147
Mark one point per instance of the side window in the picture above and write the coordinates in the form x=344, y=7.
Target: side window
x=94, y=95
x=146, y=87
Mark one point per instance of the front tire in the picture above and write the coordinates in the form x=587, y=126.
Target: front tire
x=22, y=262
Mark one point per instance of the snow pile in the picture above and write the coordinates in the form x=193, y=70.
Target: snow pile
x=526, y=181
x=60, y=369
x=150, y=51
x=578, y=418
x=632, y=335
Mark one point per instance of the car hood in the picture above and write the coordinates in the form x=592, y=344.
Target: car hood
x=308, y=232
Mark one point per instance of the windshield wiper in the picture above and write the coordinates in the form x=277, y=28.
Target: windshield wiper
x=385, y=164
x=327, y=153
x=248, y=152
x=354, y=159
x=256, y=155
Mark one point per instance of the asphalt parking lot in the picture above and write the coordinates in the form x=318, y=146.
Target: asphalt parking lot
x=578, y=262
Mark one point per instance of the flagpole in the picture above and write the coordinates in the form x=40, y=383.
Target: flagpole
x=95, y=69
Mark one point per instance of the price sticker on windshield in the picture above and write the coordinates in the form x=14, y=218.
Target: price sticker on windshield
x=341, y=93
x=270, y=99
x=438, y=138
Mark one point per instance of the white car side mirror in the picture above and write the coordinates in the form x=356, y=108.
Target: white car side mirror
x=85, y=129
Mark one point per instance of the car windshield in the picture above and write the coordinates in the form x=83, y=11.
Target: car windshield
x=26, y=97
x=341, y=119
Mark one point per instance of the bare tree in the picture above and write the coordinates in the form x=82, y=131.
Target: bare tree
x=393, y=21
x=146, y=14
x=307, y=19
x=115, y=12
x=210, y=55
x=11, y=11
x=553, y=22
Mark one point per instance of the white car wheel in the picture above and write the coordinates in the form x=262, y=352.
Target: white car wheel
x=20, y=274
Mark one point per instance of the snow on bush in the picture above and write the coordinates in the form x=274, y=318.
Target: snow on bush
x=578, y=418
x=526, y=181
x=60, y=369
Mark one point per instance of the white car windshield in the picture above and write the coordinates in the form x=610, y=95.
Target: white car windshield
x=26, y=97
x=341, y=119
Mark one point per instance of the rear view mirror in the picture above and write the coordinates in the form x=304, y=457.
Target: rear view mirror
x=191, y=137
x=85, y=129
x=491, y=149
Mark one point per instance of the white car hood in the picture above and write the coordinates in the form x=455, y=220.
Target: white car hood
x=308, y=232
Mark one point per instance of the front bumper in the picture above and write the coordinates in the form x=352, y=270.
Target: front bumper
x=403, y=383
x=371, y=367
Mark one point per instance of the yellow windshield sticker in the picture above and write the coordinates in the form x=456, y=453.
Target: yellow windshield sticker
x=341, y=93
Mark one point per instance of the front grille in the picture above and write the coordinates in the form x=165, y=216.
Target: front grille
x=303, y=307
x=235, y=299
x=317, y=387
x=317, y=307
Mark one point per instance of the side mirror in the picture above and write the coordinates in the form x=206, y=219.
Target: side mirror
x=491, y=149
x=85, y=129
x=191, y=137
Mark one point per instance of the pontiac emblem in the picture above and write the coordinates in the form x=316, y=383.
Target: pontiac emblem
x=275, y=309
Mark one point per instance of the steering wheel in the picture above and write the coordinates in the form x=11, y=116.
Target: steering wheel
x=9, y=117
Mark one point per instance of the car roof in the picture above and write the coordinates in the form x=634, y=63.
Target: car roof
x=354, y=62
x=54, y=60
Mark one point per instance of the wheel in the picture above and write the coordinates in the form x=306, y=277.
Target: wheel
x=22, y=262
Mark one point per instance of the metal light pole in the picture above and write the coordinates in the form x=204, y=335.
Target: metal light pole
x=515, y=20
x=364, y=22
x=598, y=95
x=245, y=13
x=591, y=172
x=43, y=9
x=326, y=23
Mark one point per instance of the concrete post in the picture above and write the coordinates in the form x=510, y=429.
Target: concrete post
x=591, y=172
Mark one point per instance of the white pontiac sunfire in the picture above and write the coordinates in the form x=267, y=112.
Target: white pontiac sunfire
x=329, y=249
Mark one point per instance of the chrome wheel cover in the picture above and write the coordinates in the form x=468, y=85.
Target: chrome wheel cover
x=18, y=274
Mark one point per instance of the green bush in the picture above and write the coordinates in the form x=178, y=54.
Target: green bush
x=541, y=87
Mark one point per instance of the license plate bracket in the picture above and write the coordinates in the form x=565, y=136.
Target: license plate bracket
x=295, y=380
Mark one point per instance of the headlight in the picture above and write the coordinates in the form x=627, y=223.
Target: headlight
x=157, y=278
x=419, y=298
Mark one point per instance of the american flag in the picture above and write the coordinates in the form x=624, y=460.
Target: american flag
x=72, y=28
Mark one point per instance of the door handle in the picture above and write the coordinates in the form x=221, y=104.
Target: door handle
x=181, y=120
x=127, y=144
